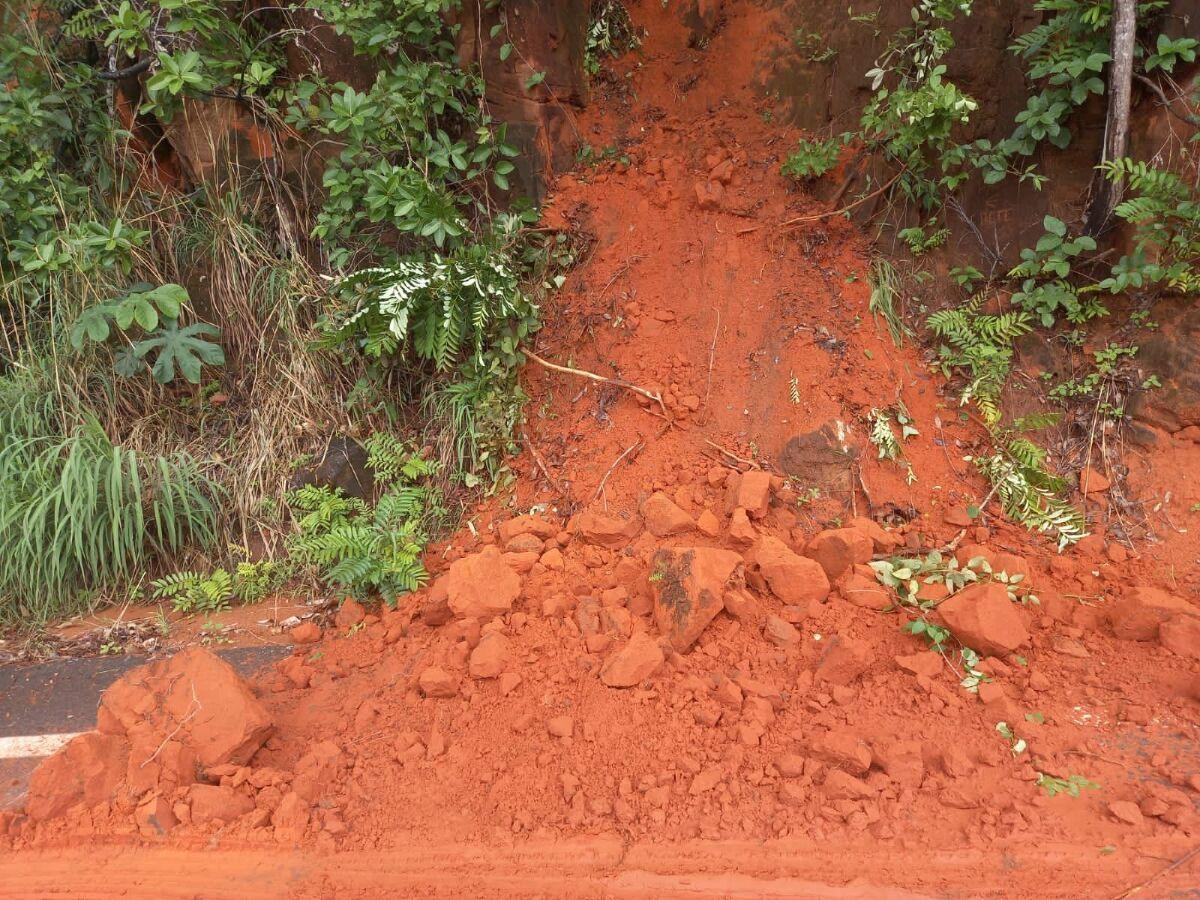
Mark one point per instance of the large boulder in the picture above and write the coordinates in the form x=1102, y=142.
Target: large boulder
x=983, y=618
x=197, y=699
x=689, y=585
x=482, y=586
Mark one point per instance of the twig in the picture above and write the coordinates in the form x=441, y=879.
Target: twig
x=600, y=378
x=712, y=358
x=746, y=462
x=845, y=209
x=1168, y=104
x=192, y=710
x=636, y=445
x=541, y=464
x=953, y=545
x=1183, y=860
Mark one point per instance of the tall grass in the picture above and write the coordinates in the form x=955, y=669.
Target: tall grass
x=78, y=512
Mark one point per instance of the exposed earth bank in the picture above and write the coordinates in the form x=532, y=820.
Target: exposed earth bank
x=678, y=676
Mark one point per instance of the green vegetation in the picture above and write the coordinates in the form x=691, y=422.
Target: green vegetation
x=913, y=124
x=181, y=322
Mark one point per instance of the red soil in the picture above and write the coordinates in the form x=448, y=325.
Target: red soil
x=764, y=760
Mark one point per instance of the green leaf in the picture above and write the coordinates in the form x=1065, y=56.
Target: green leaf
x=1055, y=226
x=534, y=80
x=505, y=52
x=183, y=348
x=169, y=298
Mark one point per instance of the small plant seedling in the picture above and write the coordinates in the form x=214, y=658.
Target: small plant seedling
x=1072, y=785
x=1016, y=744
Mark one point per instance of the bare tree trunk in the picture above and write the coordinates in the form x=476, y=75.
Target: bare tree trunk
x=1105, y=194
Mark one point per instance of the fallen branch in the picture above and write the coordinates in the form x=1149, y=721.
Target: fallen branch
x=635, y=446
x=745, y=462
x=541, y=464
x=1183, y=860
x=582, y=373
x=845, y=209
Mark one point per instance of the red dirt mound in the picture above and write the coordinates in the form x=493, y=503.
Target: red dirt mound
x=678, y=663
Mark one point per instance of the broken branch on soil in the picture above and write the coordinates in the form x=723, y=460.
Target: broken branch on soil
x=745, y=462
x=636, y=446
x=845, y=209
x=541, y=464
x=583, y=373
x=1182, y=861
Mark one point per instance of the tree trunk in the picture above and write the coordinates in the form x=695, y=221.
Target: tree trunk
x=1105, y=194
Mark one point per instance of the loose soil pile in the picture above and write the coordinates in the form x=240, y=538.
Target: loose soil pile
x=679, y=670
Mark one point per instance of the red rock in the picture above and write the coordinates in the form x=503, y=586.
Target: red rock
x=604, y=531
x=87, y=770
x=902, y=761
x=553, y=560
x=882, y=541
x=481, y=586
x=640, y=658
x=561, y=726
x=212, y=801
x=490, y=658
x=927, y=663
x=305, y=633
x=844, y=750
x=708, y=524
x=1093, y=482
x=865, y=592
x=437, y=682
x=1181, y=635
x=983, y=618
x=709, y=194
x=349, y=614
x=706, y=780
x=689, y=585
x=519, y=525
x=663, y=518
x=840, y=549
x=742, y=605
x=436, y=611
x=957, y=517
x=780, y=633
x=509, y=682
x=154, y=817
x=795, y=580
x=790, y=765
x=1140, y=612
x=1126, y=811
x=741, y=531
x=998, y=560
x=844, y=660
x=750, y=491
x=291, y=817
x=840, y=785
x=521, y=563
x=195, y=696
x=525, y=543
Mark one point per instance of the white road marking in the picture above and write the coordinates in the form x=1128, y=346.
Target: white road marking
x=34, y=745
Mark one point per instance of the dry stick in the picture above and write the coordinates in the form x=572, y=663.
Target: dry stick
x=746, y=462
x=712, y=357
x=845, y=209
x=1183, y=860
x=182, y=722
x=953, y=545
x=636, y=445
x=600, y=378
x=541, y=464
